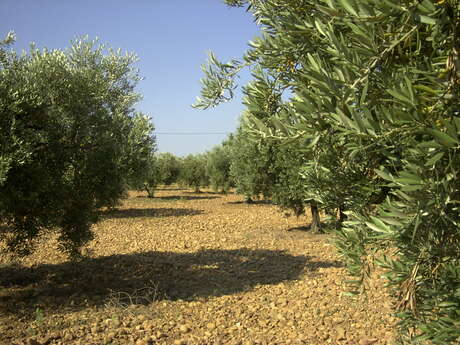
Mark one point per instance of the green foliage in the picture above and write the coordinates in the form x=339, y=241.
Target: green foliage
x=374, y=91
x=218, y=167
x=193, y=172
x=251, y=166
x=289, y=189
x=163, y=169
x=69, y=140
x=140, y=149
x=150, y=179
x=168, y=168
x=253, y=156
x=330, y=166
x=219, y=82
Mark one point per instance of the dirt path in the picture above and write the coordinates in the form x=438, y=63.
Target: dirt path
x=188, y=268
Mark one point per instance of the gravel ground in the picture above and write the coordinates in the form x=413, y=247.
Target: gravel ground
x=186, y=268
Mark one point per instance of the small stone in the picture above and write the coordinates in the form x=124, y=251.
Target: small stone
x=123, y=331
x=145, y=341
x=368, y=341
x=283, y=302
x=337, y=320
x=235, y=342
x=160, y=335
x=340, y=333
x=68, y=337
x=184, y=328
x=180, y=342
x=210, y=325
x=141, y=318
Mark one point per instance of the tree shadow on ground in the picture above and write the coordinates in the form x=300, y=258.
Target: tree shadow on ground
x=146, y=277
x=253, y=202
x=149, y=212
x=178, y=197
x=171, y=189
x=205, y=192
x=300, y=228
x=326, y=227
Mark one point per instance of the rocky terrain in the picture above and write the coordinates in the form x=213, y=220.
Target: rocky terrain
x=186, y=268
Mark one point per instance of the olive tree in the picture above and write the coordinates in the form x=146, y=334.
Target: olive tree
x=250, y=166
x=163, y=169
x=169, y=168
x=375, y=93
x=193, y=172
x=218, y=162
x=70, y=140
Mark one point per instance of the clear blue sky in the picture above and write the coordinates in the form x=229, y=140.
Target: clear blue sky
x=171, y=38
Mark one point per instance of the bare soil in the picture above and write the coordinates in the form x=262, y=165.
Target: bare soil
x=187, y=268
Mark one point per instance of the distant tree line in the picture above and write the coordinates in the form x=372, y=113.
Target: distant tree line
x=196, y=171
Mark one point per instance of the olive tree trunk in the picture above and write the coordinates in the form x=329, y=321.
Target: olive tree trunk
x=315, y=219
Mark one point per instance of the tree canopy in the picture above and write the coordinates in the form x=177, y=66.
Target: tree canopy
x=373, y=92
x=193, y=173
x=70, y=140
